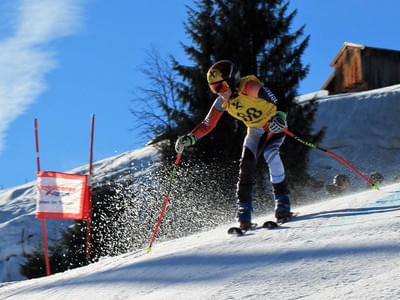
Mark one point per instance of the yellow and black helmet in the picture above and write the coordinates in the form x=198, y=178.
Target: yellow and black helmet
x=224, y=70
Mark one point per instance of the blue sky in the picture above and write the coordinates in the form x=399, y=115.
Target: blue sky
x=63, y=60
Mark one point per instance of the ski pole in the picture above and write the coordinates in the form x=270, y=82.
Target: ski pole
x=341, y=159
x=178, y=158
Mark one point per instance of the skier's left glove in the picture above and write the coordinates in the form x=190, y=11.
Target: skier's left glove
x=184, y=141
x=277, y=122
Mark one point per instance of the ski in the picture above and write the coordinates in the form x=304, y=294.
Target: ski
x=270, y=225
x=280, y=221
x=236, y=230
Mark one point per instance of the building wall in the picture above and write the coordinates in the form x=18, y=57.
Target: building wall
x=380, y=67
x=348, y=74
x=360, y=69
x=349, y=66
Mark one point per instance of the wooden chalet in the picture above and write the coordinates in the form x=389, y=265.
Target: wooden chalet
x=360, y=68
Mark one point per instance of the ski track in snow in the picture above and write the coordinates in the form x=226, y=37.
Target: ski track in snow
x=343, y=248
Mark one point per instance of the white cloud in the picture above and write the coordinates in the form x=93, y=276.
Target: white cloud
x=24, y=58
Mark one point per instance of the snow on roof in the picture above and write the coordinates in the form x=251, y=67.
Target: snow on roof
x=310, y=96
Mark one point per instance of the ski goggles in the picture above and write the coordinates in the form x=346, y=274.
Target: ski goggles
x=219, y=87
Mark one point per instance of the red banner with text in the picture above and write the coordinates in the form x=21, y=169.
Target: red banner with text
x=62, y=196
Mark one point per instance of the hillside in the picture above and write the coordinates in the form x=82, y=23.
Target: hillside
x=21, y=231
x=343, y=248
x=360, y=128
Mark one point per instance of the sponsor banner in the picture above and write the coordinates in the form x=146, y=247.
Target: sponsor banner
x=62, y=196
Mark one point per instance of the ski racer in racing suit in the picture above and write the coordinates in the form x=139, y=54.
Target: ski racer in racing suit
x=256, y=106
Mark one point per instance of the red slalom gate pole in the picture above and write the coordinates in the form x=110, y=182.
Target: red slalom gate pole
x=89, y=220
x=178, y=158
x=37, y=145
x=341, y=159
x=46, y=251
x=46, y=248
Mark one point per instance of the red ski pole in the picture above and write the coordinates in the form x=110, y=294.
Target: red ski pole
x=178, y=158
x=341, y=159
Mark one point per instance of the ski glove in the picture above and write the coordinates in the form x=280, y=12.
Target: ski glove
x=184, y=141
x=278, y=122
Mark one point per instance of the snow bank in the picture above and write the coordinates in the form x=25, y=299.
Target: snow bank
x=362, y=128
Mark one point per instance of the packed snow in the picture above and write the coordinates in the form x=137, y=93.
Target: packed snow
x=338, y=248
x=343, y=248
x=362, y=128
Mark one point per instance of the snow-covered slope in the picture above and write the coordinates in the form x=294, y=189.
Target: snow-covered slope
x=343, y=248
x=361, y=128
x=20, y=231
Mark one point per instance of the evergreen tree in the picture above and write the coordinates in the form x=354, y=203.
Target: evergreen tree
x=256, y=35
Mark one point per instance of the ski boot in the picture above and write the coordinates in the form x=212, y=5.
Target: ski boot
x=244, y=216
x=282, y=207
x=282, y=200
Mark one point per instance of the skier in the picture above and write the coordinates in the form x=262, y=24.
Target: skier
x=246, y=99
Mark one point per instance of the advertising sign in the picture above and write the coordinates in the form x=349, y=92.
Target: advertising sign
x=62, y=196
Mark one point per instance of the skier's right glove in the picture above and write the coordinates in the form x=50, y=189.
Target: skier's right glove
x=278, y=122
x=184, y=141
